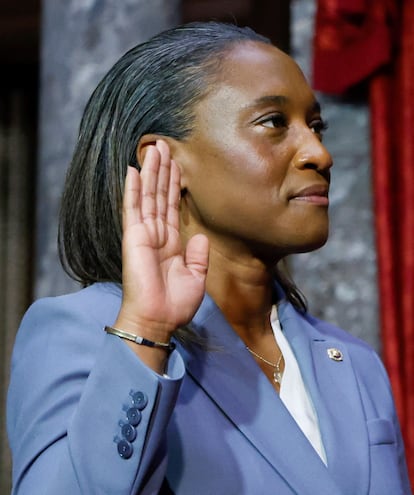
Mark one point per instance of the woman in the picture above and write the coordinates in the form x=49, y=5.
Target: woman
x=258, y=397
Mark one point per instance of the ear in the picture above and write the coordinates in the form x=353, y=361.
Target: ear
x=174, y=146
x=142, y=146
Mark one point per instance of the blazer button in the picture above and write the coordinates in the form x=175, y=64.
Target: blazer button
x=134, y=416
x=139, y=399
x=129, y=432
x=125, y=449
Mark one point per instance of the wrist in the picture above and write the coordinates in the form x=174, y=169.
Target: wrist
x=147, y=329
x=154, y=357
x=138, y=339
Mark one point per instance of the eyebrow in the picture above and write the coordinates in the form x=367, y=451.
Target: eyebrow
x=280, y=100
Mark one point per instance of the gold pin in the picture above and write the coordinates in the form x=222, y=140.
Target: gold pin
x=335, y=354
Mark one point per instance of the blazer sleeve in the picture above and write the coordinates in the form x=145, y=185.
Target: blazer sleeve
x=84, y=414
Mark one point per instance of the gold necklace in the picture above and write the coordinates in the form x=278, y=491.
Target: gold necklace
x=277, y=374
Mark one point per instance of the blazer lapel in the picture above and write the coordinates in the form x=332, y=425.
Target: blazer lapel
x=233, y=380
x=332, y=384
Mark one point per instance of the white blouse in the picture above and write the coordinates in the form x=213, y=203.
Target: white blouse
x=293, y=391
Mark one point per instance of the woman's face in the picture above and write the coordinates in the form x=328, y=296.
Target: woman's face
x=255, y=170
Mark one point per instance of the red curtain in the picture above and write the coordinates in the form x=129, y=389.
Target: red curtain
x=373, y=40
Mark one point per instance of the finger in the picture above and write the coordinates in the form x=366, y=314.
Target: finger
x=149, y=179
x=163, y=179
x=131, y=211
x=174, y=191
x=196, y=255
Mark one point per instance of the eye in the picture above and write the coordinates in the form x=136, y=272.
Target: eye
x=318, y=126
x=274, y=121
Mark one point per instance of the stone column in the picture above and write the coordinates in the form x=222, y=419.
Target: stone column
x=81, y=39
x=339, y=280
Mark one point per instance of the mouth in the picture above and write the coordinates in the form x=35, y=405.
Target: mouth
x=315, y=194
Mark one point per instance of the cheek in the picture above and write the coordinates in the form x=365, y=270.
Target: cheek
x=242, y=182
x=237, y=209
x=237, y=183
x=265, y=163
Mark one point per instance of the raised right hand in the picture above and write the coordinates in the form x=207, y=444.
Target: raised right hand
x=163, y=283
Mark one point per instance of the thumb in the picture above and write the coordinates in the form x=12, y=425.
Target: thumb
x=196, y=255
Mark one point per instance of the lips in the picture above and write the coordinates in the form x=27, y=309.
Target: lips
x=316, y=194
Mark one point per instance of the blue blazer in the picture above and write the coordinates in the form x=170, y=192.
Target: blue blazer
x=85, y=416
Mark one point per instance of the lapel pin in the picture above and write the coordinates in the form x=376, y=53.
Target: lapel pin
x=335, y=354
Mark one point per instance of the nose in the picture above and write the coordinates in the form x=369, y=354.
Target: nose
x=312, y=154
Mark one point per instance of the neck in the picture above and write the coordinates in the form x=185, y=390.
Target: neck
x=242, y=289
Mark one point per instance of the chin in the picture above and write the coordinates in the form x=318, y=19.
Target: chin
x=271, y=253
x=312, y=245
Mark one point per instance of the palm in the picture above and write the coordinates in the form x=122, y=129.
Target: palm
x=162, y=284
